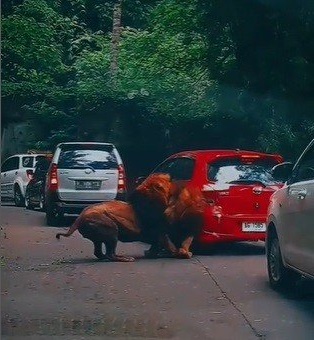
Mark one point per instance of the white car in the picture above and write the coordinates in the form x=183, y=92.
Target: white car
x=290, y=223
x=16, y=172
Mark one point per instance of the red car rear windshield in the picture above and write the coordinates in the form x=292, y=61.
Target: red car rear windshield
x=239, y=171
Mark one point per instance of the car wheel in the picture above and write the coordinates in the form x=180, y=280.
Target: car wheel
x=53, y=216
x=280, y=277
x=42, y=202
x=27, y=202
x=18, y=197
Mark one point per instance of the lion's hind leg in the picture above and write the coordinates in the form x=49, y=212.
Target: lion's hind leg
x=107, y=233
x=92, y=232
x=98, y=250
x=111, y=245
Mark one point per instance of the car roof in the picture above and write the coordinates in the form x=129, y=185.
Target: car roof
x=29, y=155
x=220, y=153
x=84, y=143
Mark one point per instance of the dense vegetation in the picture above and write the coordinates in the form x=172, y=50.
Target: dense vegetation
x=190, y=74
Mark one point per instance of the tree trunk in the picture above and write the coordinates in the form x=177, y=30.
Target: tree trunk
x=116, y=31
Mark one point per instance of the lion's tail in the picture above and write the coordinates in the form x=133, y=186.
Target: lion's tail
x=77, y=223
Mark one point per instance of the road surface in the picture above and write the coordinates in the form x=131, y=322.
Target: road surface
x=54, y=289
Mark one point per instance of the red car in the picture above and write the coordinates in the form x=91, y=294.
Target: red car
x=237, y=186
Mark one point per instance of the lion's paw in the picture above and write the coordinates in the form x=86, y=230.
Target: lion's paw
x=184, y=254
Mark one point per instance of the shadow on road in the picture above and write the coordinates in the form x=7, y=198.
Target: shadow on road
x=304, y=290
x=82, y=260
x=65, y=222
x=232, y=249
x=227, y=249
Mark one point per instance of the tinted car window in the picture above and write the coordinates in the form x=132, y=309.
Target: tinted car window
x=10, y=164
x=4, y=166
x=87, y=156
x=42, y=164
x=305, y=169
x=27, y=161
x=41, y=167
x=165, y=167
x=39, y=158
x=178, y=168
x=235, y=170
x=183, y=169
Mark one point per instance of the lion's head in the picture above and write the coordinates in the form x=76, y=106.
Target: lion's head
x=156, y=188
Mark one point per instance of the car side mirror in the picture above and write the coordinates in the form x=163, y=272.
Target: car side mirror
x=282, y=171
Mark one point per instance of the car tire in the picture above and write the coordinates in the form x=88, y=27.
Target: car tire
x=53, y=216
x=280, y=277
x=27, y=202
x=18, y=197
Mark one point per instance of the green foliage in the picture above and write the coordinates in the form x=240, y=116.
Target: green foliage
x=166, y=73
x=31, y=60
x=160, y=70
x=33, y=56
x=93, y=73
x=285, y=137
x=191, y=73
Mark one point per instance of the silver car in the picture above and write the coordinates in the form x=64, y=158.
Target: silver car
x=290, y=224
x=80, y=174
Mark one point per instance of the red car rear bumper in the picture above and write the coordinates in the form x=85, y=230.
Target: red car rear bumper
x=228, y=228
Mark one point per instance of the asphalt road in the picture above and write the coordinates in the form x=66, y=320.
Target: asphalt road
x=54, y=289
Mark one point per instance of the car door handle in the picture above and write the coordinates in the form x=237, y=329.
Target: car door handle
x=302, y=194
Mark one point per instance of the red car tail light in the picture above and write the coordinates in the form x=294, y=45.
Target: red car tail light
x=29, y=174
x=53, y=178
x=121, y=180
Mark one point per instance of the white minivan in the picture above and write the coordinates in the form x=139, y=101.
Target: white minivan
x=290, y=224
x=80, y=174
x=16, y=172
